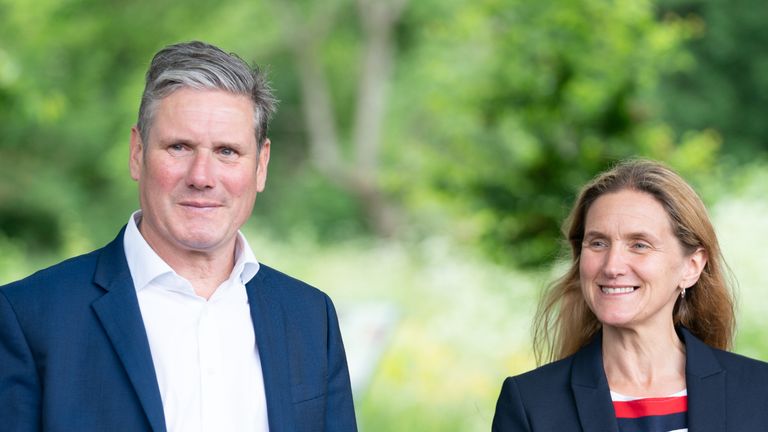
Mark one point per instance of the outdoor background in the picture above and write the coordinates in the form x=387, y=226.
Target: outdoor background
x=424, y=155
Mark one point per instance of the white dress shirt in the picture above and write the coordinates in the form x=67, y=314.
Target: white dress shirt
x=204, y=351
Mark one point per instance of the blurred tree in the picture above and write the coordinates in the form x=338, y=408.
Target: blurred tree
x=69, y=90
x=725, y=83
x=307, y=30
x=477, y=118
x=513, y=105
x=70, y=81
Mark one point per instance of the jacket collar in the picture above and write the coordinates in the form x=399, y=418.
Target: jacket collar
x=590, y=388
x=269, y=328
x=119, y=313
x=705, y=379
x=705, y=382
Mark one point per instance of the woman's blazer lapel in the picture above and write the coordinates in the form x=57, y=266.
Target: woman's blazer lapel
x=590, y=389
x=705, y=379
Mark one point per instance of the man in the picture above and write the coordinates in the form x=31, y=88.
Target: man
x=174, y=325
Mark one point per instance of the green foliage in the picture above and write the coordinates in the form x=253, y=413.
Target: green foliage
x=499, y=110
x=528, y=103
x=724, y=83
x=329, y=214
x=462, y=325
x=740, y=222
x=69, y=92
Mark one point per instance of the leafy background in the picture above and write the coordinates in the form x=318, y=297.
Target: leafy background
x=425, y=153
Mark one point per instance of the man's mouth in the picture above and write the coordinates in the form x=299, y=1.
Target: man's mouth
x=200, y=204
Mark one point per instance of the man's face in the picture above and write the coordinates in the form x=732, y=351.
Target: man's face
x=199, y=173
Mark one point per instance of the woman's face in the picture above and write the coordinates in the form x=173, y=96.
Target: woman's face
x=632, y=266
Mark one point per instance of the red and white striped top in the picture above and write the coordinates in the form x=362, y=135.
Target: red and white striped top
x=663, y=414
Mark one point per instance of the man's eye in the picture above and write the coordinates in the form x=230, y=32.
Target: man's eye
x=176, y=147
x=228, y=152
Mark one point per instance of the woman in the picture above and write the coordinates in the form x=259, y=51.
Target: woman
x=639, y=325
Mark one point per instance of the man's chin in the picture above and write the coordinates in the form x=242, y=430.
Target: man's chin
x=204, y=243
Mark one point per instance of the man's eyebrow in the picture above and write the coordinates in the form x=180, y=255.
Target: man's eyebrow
x=174, y=139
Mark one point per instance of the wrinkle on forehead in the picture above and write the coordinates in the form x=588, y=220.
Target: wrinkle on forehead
x=627, y=214
x=229, y=121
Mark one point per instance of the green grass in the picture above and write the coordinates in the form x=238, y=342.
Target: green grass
x=741, y=221
x=463, y=326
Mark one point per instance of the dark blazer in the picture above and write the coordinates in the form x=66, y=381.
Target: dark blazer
x=726, y=392
x=74, y=355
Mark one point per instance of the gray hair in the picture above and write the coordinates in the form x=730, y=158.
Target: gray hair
x=202, y=66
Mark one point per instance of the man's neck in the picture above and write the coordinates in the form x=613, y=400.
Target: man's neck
x=205, y=270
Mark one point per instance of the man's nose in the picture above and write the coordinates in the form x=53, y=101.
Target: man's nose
x=201, y=172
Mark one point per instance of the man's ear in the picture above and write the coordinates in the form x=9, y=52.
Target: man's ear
x=261, y=168
x=694, y=266
x=136, y=161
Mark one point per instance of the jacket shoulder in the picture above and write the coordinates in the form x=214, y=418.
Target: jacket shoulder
x=73, y=271
x=745, y=391
x=280, y=284
x=739, y=366
x=540, y=399
x=546, y=378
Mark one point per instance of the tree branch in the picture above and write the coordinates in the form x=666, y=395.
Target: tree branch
x=379, y=18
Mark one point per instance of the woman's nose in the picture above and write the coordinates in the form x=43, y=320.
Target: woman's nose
x=615, y=262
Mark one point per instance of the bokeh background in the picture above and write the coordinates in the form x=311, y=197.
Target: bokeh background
x=424, y=155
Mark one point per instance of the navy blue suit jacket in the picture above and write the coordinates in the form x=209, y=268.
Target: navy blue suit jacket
x=74, y=354
x=726, y=393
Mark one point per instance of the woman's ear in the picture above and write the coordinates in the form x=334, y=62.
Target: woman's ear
x=694, y=265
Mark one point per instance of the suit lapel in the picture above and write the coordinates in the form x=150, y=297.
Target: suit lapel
x=269, y=327
x=119, y=313
x=590, y=389
x=705, y=379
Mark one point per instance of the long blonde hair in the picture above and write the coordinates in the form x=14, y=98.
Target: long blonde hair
x=564, y=323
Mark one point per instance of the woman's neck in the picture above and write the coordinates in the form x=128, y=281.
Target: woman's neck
x=643, y=363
